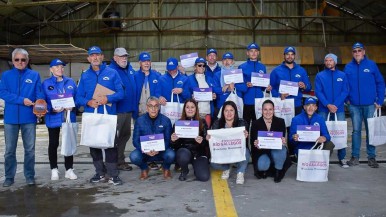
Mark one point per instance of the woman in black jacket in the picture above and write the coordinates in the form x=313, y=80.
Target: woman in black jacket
x=192, y=150
x=268, y=160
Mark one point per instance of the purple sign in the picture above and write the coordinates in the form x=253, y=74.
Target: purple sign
x=289, y=83
x=151, y=137
x=60, y=95
x=187, y=56
x=260, y=75
x=197, y=89
x=269, y=134
x=308, y=128
x=187, y=123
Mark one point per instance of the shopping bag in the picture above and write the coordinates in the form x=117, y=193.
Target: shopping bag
x=237, y=100
x=338, y=132
x=172, y=110
x=69, y=135
x=287, y=111
x=259, y=103
x=227, y=145
x=98, y=130
x=377, y=129
x=313, y=164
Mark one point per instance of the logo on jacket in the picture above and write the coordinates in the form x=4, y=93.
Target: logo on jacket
x=316, y=124
x=339, y=79
x=298, y=76
x=261, y=71
x=28, y=81
x=70, y=87
x=155, y=81
x=161, y=126
x=180, y=82
x=106, y=78
x=366, y=70
x=131, y=72
x=50, y=87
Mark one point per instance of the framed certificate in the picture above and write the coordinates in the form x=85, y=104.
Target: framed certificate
x=62, y=101
x=233, y=76
x=308, y=133
x=187, y=60
x=270, y=139
x=202, y=94
x=187, y=129
x=152, y=143
x=290, y=87
x=260, y=79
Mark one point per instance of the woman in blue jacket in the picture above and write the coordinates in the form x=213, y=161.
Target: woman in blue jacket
x=54, y=86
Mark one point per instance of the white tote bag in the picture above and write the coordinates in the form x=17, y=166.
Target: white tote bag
x=259, y=103
x=237, y=100
x=69, y=135
x=98, y=130
x=287, y=111
x=227, y=145
x=338, y=132
x=377, y=129
x=313, y=165
x=172, y=110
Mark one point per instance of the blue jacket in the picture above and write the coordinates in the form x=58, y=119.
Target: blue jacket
x=222, y=96
x=108, y=78
x=192, y=83
x=252, y=92
x=146, y=126
x=16, y=85
x=209, y=72
x=167, y=83
x=366, y=82
x=331, y=87
x=153, y=79
x=51, y=87
x=129, y=101
x=302, y=119
x=296, y=74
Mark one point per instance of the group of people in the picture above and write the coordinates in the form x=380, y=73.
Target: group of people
x=140, y=94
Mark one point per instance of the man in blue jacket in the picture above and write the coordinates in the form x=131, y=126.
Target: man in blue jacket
x=252, y=65
x=98, y=73
x=367, y=91
x=212, y=66
x=20, y=87
x=309, y=117
x=331, y=88
x=127, y=107
x=149, y=124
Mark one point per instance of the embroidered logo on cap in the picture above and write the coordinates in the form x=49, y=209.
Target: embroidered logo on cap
x=28, y=81
x=106, y=78
x=155, y=81
x=180, y=82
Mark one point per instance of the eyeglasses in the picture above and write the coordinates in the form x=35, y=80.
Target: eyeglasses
x=22, y=60
x=155, y=107
x=200, y=65
x=357, y=51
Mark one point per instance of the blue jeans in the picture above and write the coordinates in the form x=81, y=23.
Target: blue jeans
x=140, y=159
x=341, y=117
x=278, y=157
x=241, y=166
x=28, y=135
x=359, y=113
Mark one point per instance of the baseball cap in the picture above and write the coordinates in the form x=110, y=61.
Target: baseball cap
x=333, y=56
x=289, y=49
x=253, y=46
x=56, y=62
x=310, y=100
x=200, y=60
x=120, y=51
x=212, y=50
x=358, y=45
x=171, y=64
x=144, y=56
x=94, y=50
x=227, y=55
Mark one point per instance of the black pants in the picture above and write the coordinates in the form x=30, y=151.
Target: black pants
x=200, y=164
x=291, y=148
x=123, y=134
x=111, y=155
x=249, y=114
x=53, y=144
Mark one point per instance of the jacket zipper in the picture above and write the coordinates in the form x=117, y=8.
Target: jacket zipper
x=332, y=85
x=359, y=93
x=18, y=106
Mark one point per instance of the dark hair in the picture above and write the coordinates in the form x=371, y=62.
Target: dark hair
x=222, y=118
x=196, y=116
x=268, y=101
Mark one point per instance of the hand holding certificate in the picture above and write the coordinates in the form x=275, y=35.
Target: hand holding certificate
x=308, y=133
x=152, y=143
x=233, y=76
x=202, y=94
x=270, y=140
x=62, y=101
x=290, y=87
x=260, y=79
x=188, y=60
x=187, y=129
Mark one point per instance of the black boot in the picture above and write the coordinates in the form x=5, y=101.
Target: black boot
x=183, y=175
x=261, y=174
x=277, y=176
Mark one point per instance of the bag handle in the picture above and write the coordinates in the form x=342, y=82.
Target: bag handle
x=319, y=148
x=328, y=117
x=377, y=113
x=172, y=98
x=68, y=118
x=104, y=110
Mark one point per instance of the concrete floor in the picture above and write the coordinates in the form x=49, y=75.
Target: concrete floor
x=357, y=191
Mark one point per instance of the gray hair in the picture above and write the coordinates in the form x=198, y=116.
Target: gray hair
x=20, y=51
x=152, y=98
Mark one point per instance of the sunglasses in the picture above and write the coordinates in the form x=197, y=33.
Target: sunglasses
x=357, y=51
x=22, y=60
x=200, y=65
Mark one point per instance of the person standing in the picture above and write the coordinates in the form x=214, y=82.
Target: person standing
x=212, y=66
x=52, y=87
x=367, y=92
x=98, y=73
x=20, y=87
x=127, y=107
x=331, y=88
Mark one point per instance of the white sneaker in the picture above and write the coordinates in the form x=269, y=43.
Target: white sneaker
x=70, y=174
x=225, y=174
x=54, y=174
x=240, y=178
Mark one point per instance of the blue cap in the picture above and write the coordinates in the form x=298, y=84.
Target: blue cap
x=289, y=49
x=212, y=50
x=94, y=49
x=227, y=55
x=332, y=56
x=310, y=100
x=358, y=45
x=171, y=64
x=56, y=62
x=253, y=46
x=200, y=60
x=144, y=56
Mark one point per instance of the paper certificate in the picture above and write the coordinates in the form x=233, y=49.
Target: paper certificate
x=187, y=129
x=260, y=79
x=188, y=60
x=233, y=76
x=270, y=140
x=62, y=101
x=152, y=143
x=308, y=133
x=290, y=87
x=202, y=94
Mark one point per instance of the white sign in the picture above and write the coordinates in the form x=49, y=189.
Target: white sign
x=152, y=143
x=233, y=76
x=308, y=133
x=270, y=140
x=187, y=129
x=62, y=101
x=260, y=79
x=202, y=94
x=290, y=87
x=188, y=60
